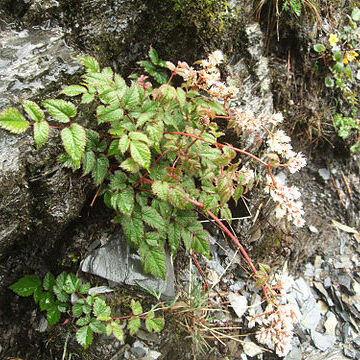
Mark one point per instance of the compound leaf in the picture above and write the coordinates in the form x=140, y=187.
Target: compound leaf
x=73, y=90
x=131, y=97
x=156, y=324
x=133, y=325
x=133, y=228
x=174, y=236
x=12, y=121
x=153, y=259
x=89, y=161
x=90, y=63
x=177, y=197
x=97, y=326
x=100, y=169
x=49, y=281
x=126, y=203
x=152, y=218
x=74, y=141
x=118, y=333
x=100, y=307
x=161, y=189
x=109, y=113
x=136, y=307
x=53, y=315
x=201, y=244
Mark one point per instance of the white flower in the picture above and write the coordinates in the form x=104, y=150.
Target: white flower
x=296, y=163
x=216, y=57
x=276, y=119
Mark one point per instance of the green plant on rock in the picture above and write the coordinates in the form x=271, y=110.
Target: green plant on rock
x=340, y=54
x=89, y=313
x=155, y=156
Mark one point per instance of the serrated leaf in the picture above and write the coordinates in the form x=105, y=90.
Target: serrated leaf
x=177, y=197
x=211, y=202
x=26, y=285
x=181, y=96
x=217, y=108
x=156, y=324
x=100, y=307
x=130, y=165
x=139, y=136
x=159, y=75
x=144, y=117
x=53, y=316
x=41, y=133
x=152, y=218
x=152, y=238
x=87, y=98
x=83, y=321
x=118, y=333
x=86, y=308
x=225, y=213
x=124, y=143
x=201, y=244
x=118, y=180
x=136, y=307
x=140, y=153
x=84, y=336
x=72, y=284
x=49, y=281
x=153, y=259
x=62, y=307
x=90, y=63
x=60, y=110
x=186, y=237
x=133, y=228
x=74, y=141
x=77, y=310
x=174, y=236
x=60, y=293
x=33, y=110
x=88, y=160
x=161, y=189
x=73, y=90
x=108, y=329
x=100, y=169
x=37, y=294
x=113, y=148
x=109, y=113
x=131, y=97
x=97, y=326
x=126, y=203
x=154, y=57
x=46, y=301
x=133, y=325
x=12, y=121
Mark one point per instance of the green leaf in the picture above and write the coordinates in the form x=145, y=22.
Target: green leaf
x=211, y=202
x=177, y=197
x=161, y=189
x=319, y=48
x=124, y=143
x=118, y=180
x=97, y=326
x=46, y=301
x=126, y=203
x=109, y=113
x=159, y=75
x=136, y=307
x=156, y=324
x=37, y=294
x=87, y=98
x=133, y=325
x=100, y=307
x=152, y=238
x=89, y=161
x=144, y=117
x=53, y=315
x=33, y=110
x=41, y=133
x=355, y=14
x=131, y=97
x=181, y=96
x=62, y=307
x=139, y=136
x=174, y=236
x=186, y=236
x=84, y=336
x=100, y=169
x=60, y=110
x=133, y=228
x=26, y=285
x=49, y=281
x=217, y=108
x=152, y=218
x=153, y=55
x=201, y=244
x=339, y=67
x=140, y=153
x=60, y=293
x=118, y=333
x=114, y=148
x=77, y=310
x=90, y=63
x=153, y=259
x=84, y=320
x=73, y=90
x=130, y=165
x=12, y=121
x=72, y=284
x=108, y=329
x=74, y=141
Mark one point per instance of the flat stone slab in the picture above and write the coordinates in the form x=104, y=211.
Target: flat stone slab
x=115, y=261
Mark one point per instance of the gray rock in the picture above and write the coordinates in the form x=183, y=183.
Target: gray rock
x=321, y=289
x=324, y=173
x=350, y=353
x=139, y=349
x=345, y=282
x=330, y=324
x=302, y=291
x=322, y=341
x=356, y=342
x=116, y=262
x=309, y=270
x=238, y=303
x=310, y=314
x=294, y=354
x=250, y=348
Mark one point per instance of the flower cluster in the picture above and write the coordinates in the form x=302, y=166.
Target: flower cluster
x=288, y=201
x=278, y=320
x=208, y=78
